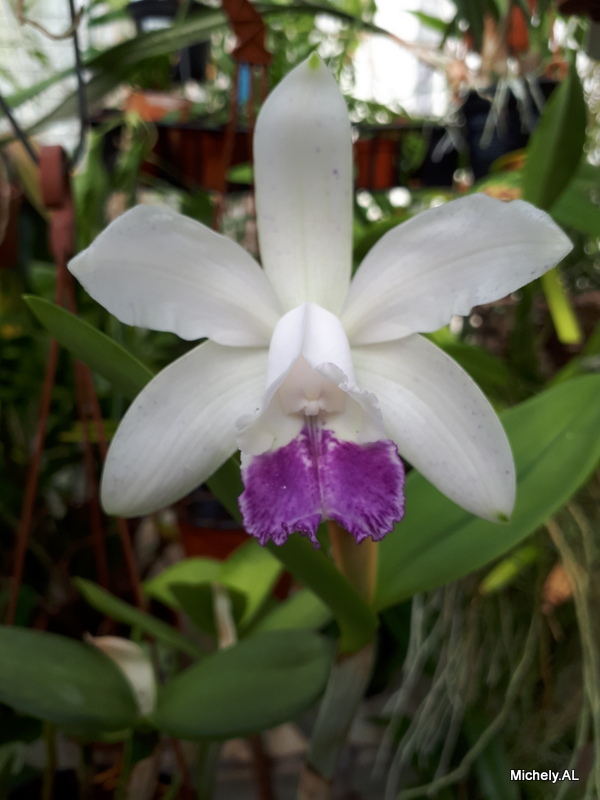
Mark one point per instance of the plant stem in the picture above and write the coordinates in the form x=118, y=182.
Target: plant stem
x=565, y=321
x=358, y=562
x=349, y=676
x=51, y=761
x=121, y=790
x=208, y=759
x=345, y=689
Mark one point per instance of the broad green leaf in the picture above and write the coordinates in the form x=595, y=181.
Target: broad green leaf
x=198, y=603
x=190, y=571
x=356, y=620
x=587, y=361
x=578, y=206
x=117, y=609
x=250, y=572
x=187, y=586
x=23, y=95
x=199, y=26
x=555, y=438
x=259, y=683
x=226, y=485
x=302, y=610
x=63, y=681
x=101, y=353
x=556, y=146
x=434, y=23
x=253, y=571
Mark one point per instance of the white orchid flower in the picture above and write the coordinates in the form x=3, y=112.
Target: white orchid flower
x=319, y=380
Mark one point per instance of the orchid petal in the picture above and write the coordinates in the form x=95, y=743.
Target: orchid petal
x=303, y=174
x=445, y=261
x=442, y=423
x=158, y=269
x=181, y=428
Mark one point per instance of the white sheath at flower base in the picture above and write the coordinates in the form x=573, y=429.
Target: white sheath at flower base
x=320, y=381
x=135, y=665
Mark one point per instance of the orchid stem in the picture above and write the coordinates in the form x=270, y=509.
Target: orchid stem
x=50, y=765
x=358, y=562
x=349, y=676
x=345, y=690
x=208, y=761
x=563, y=316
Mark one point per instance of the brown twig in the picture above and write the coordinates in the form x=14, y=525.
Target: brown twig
x=55, y=37
x=31, y=484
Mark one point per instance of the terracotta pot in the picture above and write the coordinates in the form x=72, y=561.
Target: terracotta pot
x=9, y=235
x=218, y=543
x=379, y=159
x=196, y=154
x=377, y=162
x=155, y=106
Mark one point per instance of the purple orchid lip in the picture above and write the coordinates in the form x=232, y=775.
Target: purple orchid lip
x=315, y=477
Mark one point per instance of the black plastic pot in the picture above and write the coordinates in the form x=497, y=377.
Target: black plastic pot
x=193, y=60
x=511, y=132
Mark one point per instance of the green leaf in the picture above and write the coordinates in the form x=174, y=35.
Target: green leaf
x=302, y=610
x=356, y=619
x=226, y=485
x=259, y=683
x=117, y=609
x=198, y=602
x=253, y=571
x=88, y=344
x=190, y=571
x=555, y=438
x=587, y=361
x=492, y=766
x=63, y=681
x=187, y=586
x=556, y=146
x=577, y=206
x=434, y=23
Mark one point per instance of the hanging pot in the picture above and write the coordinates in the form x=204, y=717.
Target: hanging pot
x=511, y=132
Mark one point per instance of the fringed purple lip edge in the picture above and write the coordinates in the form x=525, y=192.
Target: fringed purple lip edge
x=316, y=477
